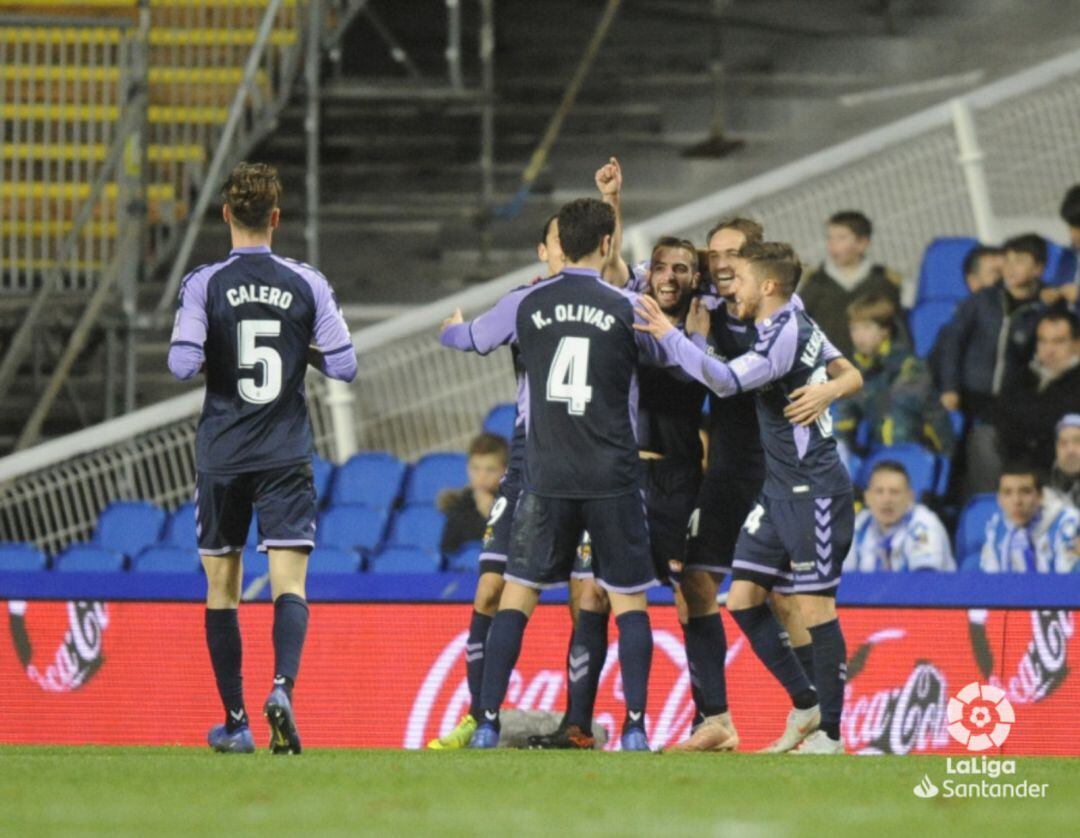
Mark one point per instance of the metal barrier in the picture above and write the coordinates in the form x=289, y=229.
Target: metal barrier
x=413, y=396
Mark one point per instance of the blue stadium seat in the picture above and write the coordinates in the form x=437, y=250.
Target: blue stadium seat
x=163, y=559
x=926, y=320
x=941, y=485
x=180, y=529
x=21, y=557
x=500, y=420
x=971, y=564
x=128, y=526
x=971, y=526
x=372, y=479
x=405, y=560
x=956, y=418
x=351, y=528
x=333, y=560
x=89, y=558
x=1060, y=264
x=433, y=473
x=323, y=473
x=253, y=532
x=255, y=563
x=466, y=559
x=417, y=526
x=941, y=276
x=921, y=464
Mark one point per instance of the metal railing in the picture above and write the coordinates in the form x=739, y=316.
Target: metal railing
x=412, y=396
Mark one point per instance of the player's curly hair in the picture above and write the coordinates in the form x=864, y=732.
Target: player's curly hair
x=752, y=230
x=776, y=261
x=252, y=192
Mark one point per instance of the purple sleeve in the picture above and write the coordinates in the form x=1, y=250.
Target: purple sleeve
x=186, y=355
x=331, y=335
x=494, y=328
x=830, y=352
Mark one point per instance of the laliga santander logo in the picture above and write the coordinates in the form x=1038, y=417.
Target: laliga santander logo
x=980, y=716
x=441, y=701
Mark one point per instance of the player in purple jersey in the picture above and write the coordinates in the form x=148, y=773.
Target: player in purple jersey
x=797, y=535
x=580, y=353
x=496, y=542
x=253, y=323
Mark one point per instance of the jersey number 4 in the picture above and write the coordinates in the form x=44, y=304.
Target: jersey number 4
x=568, y=376
x=251, y=356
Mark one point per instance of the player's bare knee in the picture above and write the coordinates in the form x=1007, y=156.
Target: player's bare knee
x=518, y=598
x=745, y=594
x=288, y=571
x=625, y=603
x=223, y=577
x=699, y=591
x=815, y=609
x=594, y=598
x=488, y=591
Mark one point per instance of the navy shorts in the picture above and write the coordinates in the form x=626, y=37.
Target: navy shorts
x=796, y=546
x=282, y=498
x=496, y=543
x=547, y=532
x=671, y=493
x=723, y=503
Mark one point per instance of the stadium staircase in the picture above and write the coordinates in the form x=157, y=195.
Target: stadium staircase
x=401, y=216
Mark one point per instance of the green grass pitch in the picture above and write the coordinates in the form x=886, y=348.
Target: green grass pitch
x=159, y=791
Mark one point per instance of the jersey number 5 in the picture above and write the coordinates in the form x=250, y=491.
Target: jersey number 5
x=568, y=375
x=250, y=356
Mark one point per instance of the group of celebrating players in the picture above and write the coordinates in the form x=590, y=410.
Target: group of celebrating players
x=605, y=488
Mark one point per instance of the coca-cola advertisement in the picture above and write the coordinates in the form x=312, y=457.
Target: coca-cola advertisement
x=393, y=675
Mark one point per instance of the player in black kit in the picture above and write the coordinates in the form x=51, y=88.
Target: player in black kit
x=253, y=323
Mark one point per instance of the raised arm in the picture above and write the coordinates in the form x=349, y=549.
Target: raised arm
x=609, y=182
x=811, y=400
x=186, y=356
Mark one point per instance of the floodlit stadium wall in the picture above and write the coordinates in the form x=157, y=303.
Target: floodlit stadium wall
x=69, y=672
x=411, y=396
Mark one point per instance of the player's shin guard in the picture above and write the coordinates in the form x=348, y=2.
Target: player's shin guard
x=223, y=641
x=635, y=661
x=706, y=651
x=830, y=669
x=764, y=633
x=588, y=650
x=474, y=658
x=503, y=648
x=290, y=629
x=805, y=654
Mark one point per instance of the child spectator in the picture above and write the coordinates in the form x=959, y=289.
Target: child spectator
x=985, y=348
x=1065, y=477
x=1032, y=531
x=897, y=402
x=982, y=267
x=1050, y=388
x=467, y=509
x=844, y=276
x=894, y=533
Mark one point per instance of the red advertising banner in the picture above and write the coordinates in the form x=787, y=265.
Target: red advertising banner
x=381, y=675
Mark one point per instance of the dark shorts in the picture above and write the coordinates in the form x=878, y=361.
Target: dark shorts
x=496, y=544
x=283, y=500
x=723, y=503
x=670, y=496
x=796, y=546
x=547, y=532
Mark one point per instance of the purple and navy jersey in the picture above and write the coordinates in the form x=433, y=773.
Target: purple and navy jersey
x=790, y=351
x=251, y=320
x=734, y=437
x=580, y=352
x=669, y=416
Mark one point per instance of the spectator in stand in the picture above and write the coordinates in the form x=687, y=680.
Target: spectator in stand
x=1050, y=388
x=898, y=402
x=985, y=348
x=894, y=533
x=845, y=276
x=467, y=509
x=983, y=266
x=1065, y=477
x=1033, y=531
x=1070, y=214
